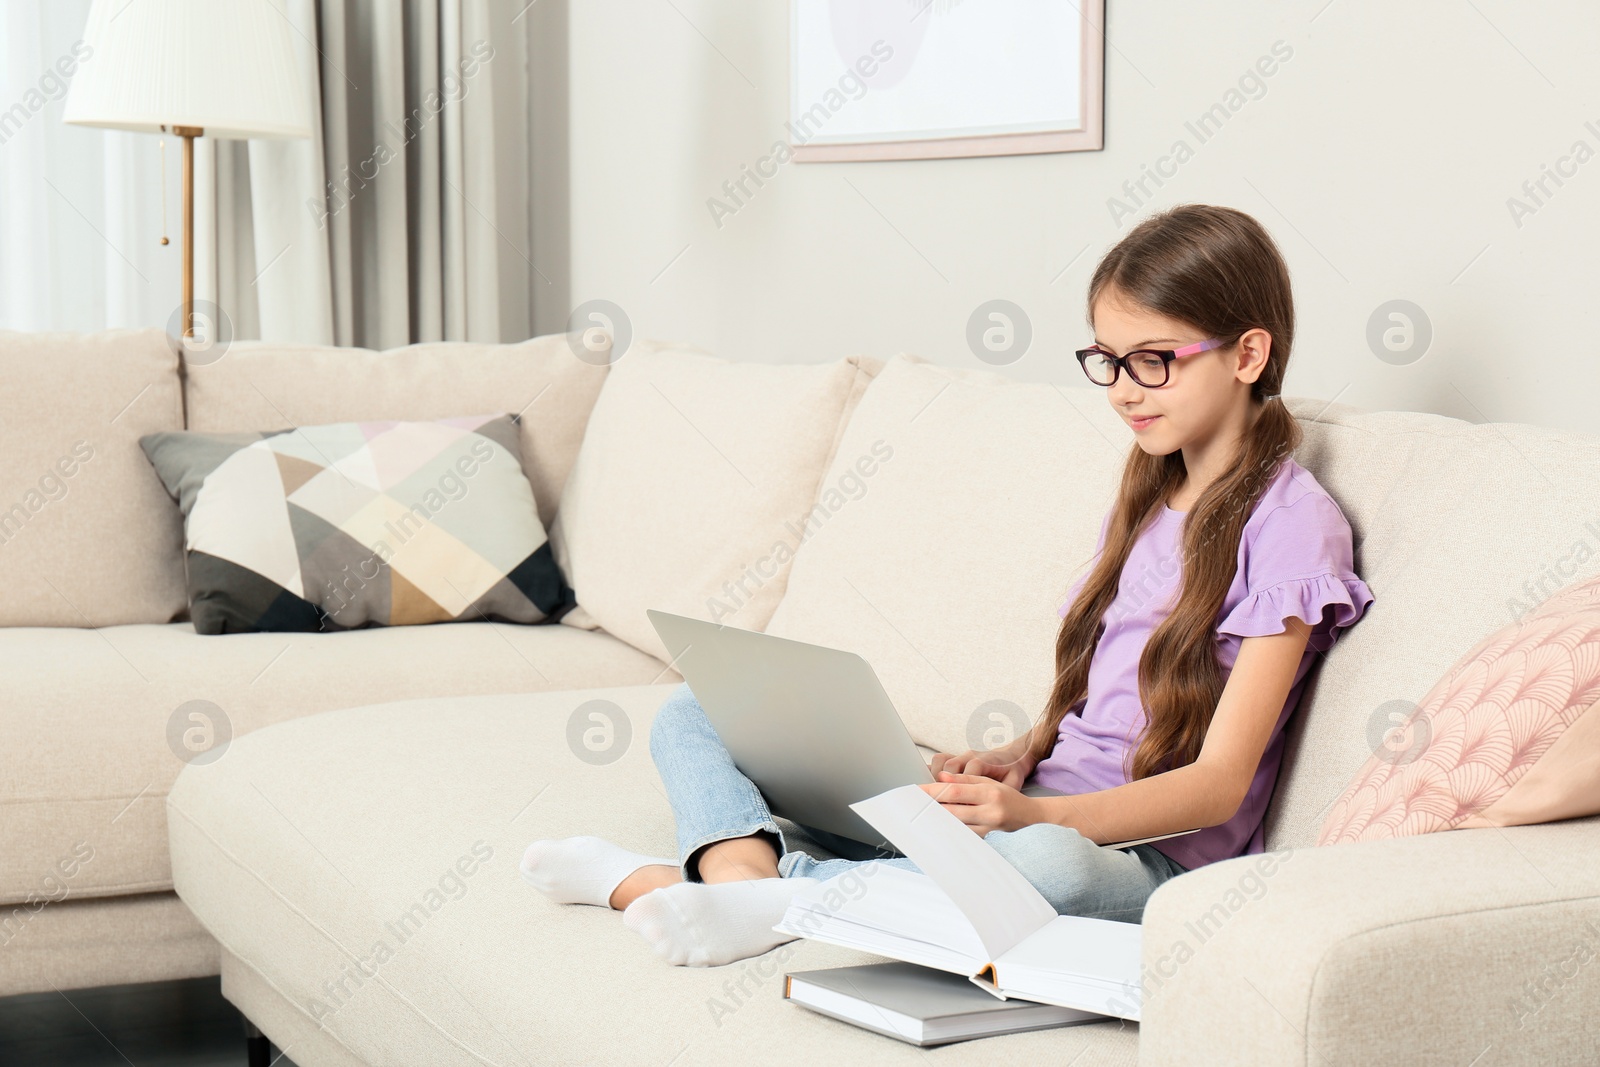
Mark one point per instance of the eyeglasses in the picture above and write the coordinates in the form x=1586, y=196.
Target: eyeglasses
x=1150, y=367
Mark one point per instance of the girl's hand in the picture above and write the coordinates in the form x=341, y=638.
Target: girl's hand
x=1005, y=765
x=983, y=803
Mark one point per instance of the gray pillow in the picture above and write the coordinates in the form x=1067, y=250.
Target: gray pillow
x=360, y=524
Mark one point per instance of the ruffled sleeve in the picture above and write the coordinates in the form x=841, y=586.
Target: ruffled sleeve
x=1297, y=563
x=1307, y=599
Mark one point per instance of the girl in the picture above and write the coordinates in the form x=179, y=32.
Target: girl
x=1221, y=571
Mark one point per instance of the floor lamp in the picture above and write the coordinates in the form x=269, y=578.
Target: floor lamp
x=222, y=68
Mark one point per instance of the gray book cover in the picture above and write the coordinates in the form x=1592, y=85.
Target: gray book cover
x=921, y=1005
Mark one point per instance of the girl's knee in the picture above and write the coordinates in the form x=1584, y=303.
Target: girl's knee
x=1041, y=847
x=679, y=711
x=1056, y=860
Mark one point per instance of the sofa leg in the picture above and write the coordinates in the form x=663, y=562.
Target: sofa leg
x=258, y=1050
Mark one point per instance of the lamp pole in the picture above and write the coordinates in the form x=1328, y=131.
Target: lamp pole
x=188, y=133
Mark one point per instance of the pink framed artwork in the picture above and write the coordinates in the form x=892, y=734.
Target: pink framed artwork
x=934, y=79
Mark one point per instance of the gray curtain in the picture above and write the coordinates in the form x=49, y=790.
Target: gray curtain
x=406, y=217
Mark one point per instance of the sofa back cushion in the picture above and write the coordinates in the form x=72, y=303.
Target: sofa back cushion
x=960, y=506
x=261, y=385
x=946, y=566
x=88, y=535
x=1460, y=529
x=693, y=479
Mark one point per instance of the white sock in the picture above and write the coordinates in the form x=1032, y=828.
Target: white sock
x=698, y=925
x=581, y=870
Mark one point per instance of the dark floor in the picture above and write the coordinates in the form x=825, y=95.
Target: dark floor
x=163, y=1024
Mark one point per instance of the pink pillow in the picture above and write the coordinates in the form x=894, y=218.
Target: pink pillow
x=1510, y=736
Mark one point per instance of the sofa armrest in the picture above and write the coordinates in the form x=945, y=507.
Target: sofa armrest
x=1461, y=947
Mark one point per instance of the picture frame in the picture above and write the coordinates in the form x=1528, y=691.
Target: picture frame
x=938, y=79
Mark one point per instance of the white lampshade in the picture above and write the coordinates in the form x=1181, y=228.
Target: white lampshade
x=227, y=66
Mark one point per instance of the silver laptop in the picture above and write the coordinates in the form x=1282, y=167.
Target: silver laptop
x=810, y=726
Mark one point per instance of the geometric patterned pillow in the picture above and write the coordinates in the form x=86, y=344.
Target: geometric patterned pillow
x=1510, y=736
x=360, y=524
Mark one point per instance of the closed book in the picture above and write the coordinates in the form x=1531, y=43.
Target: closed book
x=921, y=1006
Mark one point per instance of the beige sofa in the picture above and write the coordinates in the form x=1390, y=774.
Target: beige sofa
x=86, y=886
x=353, y=873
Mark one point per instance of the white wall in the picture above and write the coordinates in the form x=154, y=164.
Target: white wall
x=1381, y=155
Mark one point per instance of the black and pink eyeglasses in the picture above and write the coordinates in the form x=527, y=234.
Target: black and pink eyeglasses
x=1153, y=364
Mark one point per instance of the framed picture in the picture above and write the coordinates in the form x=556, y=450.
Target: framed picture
x=931, y=79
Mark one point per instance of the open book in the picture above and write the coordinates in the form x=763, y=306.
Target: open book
x=971, y=913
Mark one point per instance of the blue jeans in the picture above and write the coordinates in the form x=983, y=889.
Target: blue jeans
x=713, y=801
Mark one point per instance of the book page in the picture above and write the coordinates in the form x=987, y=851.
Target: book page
x=891, y=912
x=1095, y=951
x=1000, y=904
x=1090, y=964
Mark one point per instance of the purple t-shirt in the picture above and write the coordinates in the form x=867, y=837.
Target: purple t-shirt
x=1295, y=559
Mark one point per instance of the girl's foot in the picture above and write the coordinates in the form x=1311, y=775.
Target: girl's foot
x=585, y=870
x=642, y=881
x=698, y=925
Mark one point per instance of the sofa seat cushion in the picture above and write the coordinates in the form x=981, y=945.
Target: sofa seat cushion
x=92, y=750
x=364, y=864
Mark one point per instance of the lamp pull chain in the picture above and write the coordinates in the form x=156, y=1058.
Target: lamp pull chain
x=162, y=145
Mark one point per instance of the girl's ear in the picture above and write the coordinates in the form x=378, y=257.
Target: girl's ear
x=1255, y=347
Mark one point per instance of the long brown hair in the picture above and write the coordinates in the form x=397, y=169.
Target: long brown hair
x=1219, y=271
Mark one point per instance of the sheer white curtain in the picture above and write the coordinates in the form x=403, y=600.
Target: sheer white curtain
x=406, y=217
x=80, y=209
